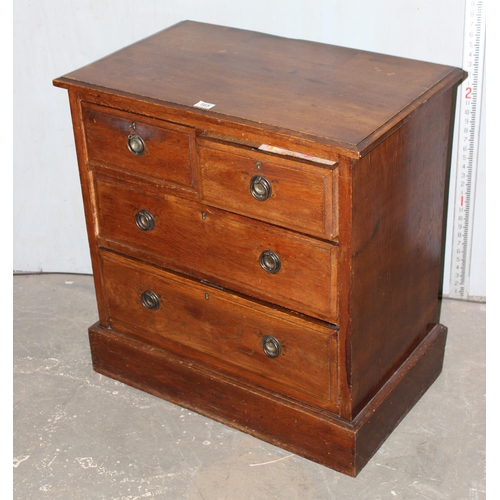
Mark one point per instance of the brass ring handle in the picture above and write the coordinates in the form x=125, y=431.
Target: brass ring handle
x=270, y=262
x=135, y=144
x=144, y=220
x=260, y=188
x=271, y=346
x=150, y=300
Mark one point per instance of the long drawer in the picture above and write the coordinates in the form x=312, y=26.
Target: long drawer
x=250, y=257
x=262, y=345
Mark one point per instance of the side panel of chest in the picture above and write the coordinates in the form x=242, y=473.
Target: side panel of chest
x=399, y=199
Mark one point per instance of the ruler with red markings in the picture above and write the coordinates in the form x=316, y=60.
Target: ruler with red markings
x=469, y=108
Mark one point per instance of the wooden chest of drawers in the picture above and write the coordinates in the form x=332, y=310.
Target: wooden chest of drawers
x=265, y=219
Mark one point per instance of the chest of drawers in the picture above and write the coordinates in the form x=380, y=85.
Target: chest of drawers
x=265, y=220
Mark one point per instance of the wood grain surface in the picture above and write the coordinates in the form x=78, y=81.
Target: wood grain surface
x=359, y=236
x=346, y=96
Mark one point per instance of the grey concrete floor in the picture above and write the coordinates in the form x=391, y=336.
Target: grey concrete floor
x=80, y=435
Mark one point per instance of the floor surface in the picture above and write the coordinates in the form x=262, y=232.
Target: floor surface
x=80, y=435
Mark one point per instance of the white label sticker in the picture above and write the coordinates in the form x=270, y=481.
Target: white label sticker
x=203, y=105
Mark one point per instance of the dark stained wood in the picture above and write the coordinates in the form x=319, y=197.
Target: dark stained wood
x=210, y=126
x=344, y=95
x=398, y=199
x=303, y=196
x=220, y=247
x=222, y=330
x=401, y=392
x=167, y=155
x=355, y=305
x=317, y=435
x=88, y=194
x=344, y=281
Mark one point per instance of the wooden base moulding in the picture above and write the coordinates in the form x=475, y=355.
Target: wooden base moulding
x=304, y=430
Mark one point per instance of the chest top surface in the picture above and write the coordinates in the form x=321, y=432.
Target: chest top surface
x=343, y=96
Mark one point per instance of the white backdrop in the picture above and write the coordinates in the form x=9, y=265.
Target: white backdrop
x=54, y=37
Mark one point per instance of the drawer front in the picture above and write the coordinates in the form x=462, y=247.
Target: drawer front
x=223, y=248
x=289, y=193
x=139, y=145
x=221, y=329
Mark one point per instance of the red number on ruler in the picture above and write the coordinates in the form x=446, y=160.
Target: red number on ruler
x=468, y=92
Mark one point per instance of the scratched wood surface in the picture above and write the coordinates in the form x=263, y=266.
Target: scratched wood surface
x=341, y=94
x=359, y=240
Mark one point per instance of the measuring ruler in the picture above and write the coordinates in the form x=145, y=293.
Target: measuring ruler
x=468, y=139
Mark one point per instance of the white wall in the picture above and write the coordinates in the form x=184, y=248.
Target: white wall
x=53, y=37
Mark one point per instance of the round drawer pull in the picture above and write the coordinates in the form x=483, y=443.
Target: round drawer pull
x=260, y=188
x=270, y=262
x=271, y=346
x=145, y=220
x=136, y=144
x=150, y=300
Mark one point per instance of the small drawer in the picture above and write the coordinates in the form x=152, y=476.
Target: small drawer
x=139, y=145
x=250, y=257
x=270, y=348
x=290, y=193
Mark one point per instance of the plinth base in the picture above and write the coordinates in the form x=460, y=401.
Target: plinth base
x=301, y=429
